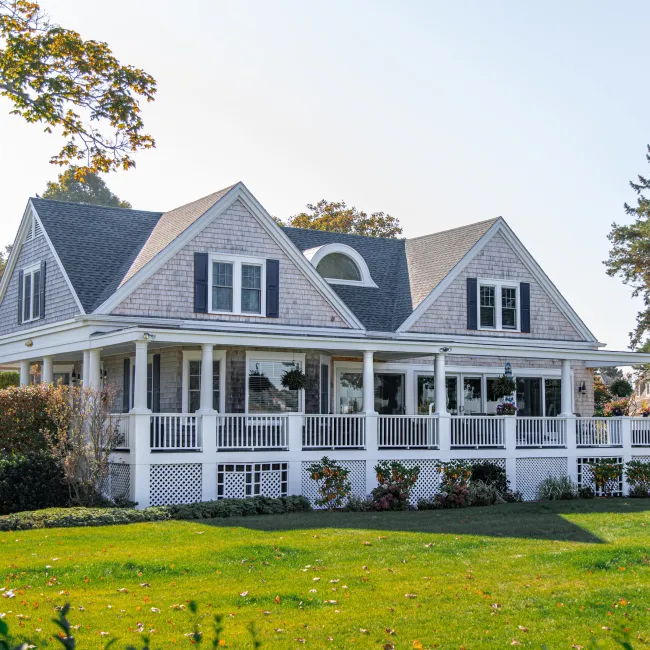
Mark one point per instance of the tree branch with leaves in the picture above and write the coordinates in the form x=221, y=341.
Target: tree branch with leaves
x=54, y=77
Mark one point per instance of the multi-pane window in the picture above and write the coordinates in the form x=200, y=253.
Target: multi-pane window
x=251, y=288
x=222, y=286
x=488, y=306
x=266, y=394
x=237, y=285
x=194, y=388
x=498, y=305
x=509, y=308
x=32, y=294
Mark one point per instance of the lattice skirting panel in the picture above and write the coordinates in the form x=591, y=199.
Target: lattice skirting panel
x=241, y=480
x=585, y=477
x=118, y=483
x=532, y=471
x=643, y=459
x=357, y=478
x=171, y=484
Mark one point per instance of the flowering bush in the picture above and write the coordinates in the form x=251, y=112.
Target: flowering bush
x=454, y=484
x=637, y=473
x=617, y=407
x=606, y=476
x=395, y=485
x=506, y=409
x=334, y=486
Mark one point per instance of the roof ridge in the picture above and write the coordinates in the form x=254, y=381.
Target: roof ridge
x=202, y=198
x=467, y=225
x=93, y=205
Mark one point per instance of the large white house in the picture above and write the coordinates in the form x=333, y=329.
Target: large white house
x=195, y=315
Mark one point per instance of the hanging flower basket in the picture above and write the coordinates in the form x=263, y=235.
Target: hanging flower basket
x=294, y=379
x=502, y=387
x=506, y=409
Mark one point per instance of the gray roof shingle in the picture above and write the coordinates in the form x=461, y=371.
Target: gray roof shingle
x=96, y=245
x=101, y=248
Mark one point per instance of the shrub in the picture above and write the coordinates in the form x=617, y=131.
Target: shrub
x=558, y=488
x=484, y=494
x=9, y=378
x=606, y=475
x=454, y=486
x=358, y=504
x=621, y=388
x=616, y=408
x=395, y=484
x=586, y=492
x=24, y=416
x=77, y=516
x=334, y=486
x=637, y=473
x=30, y=482
x=492, y=474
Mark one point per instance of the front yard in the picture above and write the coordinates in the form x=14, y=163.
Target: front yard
x=524, y=574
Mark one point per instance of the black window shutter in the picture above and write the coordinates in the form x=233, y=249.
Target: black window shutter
x=201, y=282
x=126, y=385
x=42, y=296
x=20, y=296
x=524, y=297
x=155, y=384
x=472, y=304
x=273, y=288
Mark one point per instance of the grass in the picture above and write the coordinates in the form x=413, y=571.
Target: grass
x=518, y=574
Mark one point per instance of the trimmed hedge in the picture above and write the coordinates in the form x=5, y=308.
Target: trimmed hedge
x=70, y=517
x=30, y=482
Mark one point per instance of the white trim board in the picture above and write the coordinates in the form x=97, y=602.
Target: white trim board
x=500, y=226
x=237, y=192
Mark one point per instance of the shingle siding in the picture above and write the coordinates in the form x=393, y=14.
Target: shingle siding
x=497, y=261
x=59, y=302
x=169, y=292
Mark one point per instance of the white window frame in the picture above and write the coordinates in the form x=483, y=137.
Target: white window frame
x=237, y=261
x=315, y=255
x=30, y=270
x=196, y=355
x=282, y=357
x=498, y=285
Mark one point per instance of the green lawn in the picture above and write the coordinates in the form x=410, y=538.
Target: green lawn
x=478, y=578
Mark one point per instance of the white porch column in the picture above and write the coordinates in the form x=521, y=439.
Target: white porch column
x=94, y=368
x=566, y=389
x=85, y=369
x=368, y=383
x=24, y=372
x=47, y=372
x=206, y=378
x=440, y=390
x=140, y=383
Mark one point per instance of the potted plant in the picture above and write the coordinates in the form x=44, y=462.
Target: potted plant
x=294, y=379
x=506, y=408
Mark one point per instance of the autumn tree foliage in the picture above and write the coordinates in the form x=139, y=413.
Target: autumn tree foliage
x=54, y=77
x=89, y=188
x=336, y=216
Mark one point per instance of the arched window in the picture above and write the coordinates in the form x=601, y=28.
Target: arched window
x=338, y=266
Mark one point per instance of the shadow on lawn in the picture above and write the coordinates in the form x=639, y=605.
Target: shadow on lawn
x=540, y=520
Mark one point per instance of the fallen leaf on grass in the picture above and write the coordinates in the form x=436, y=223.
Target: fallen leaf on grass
x=410, y=595
x=243, y=594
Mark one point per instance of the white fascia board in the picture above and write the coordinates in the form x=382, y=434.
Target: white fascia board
x=241, y=192
x=450, y=277
x=23, y=229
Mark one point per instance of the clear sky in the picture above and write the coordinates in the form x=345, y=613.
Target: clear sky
x=440, y=113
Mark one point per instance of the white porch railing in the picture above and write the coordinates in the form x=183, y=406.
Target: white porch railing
x=478, y=431
x=175, y=432
x=120, y=423
x=334, y=432
x=252, y=432
x=541, y=432
x=407, y=432
x=598, y=432
x=641, y=432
